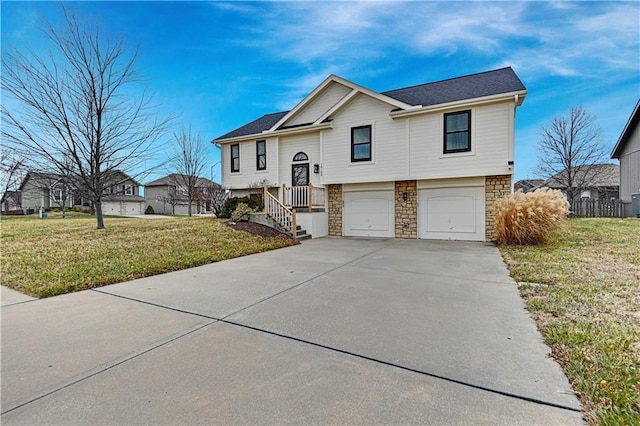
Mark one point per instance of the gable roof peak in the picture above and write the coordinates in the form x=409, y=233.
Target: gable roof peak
x=497, y=82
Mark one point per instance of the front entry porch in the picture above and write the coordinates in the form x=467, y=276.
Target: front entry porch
x=299, y=209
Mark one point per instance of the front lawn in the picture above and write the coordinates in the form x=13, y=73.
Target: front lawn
x=583, y=290
x=45, y=258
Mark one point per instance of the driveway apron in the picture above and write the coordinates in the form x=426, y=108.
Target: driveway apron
x=336, y=330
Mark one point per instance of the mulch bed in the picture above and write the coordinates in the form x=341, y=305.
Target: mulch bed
x=257, y=229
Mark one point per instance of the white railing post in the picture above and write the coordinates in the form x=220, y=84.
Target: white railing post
x=281, y=214
x=264, y=200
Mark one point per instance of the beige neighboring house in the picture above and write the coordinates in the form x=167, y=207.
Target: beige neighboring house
x=627, y=150
x=425, y=161
x=594, y=182
x=168, y=195
x=49, y=190
x=122, y=196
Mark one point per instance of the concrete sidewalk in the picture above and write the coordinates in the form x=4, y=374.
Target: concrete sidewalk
x=335, y=330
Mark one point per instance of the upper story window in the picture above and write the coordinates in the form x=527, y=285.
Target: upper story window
x=127, y=189
x=361, y=143
x=261, y=155
x=58, y=194
x=235, y=158
x=457, y=132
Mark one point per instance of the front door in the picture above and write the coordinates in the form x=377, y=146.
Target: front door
x=300, y=174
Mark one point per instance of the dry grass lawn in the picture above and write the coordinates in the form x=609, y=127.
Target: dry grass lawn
x=45, y=258
x=583, y=289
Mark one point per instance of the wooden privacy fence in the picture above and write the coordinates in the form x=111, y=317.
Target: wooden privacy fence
x=597, y=208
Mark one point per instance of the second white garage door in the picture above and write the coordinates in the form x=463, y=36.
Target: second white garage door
x=452, y=213
x=369, y=214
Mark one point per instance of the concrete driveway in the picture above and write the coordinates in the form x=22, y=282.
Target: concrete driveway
x=335, y=330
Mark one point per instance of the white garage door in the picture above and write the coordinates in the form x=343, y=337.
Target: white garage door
x=122, y=207
x=132, y=207
x=369, y=214
x=452, y=213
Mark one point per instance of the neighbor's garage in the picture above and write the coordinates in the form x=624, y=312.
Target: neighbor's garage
x=369, y=210
x=121, y=207
x=452, y=209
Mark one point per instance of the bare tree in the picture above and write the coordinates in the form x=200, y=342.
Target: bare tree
x=214, y=196
x=12, y=168
x=83, y=104
x=568, y=150
x=174, y=198
x=188, y=162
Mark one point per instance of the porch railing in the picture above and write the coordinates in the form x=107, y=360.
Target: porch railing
x=278, y=212
x=307, y=196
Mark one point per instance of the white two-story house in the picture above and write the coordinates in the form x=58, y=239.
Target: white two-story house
x=425, y=161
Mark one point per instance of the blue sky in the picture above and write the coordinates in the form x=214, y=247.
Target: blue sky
x=222, y=64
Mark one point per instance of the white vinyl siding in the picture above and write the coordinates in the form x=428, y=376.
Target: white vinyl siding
x=388, y=144
x=309, y=143
x=401, y=149
x=330, y=96
x=248, y=173
x=491, y=145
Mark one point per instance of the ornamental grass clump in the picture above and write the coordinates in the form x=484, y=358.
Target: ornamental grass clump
x=525, y=219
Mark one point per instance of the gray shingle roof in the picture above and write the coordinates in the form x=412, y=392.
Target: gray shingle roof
x=591, y=176
x=172, y=178
x=256, y=126
x=503, y=80
x=473, y=86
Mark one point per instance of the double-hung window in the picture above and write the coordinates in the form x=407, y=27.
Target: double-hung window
x=361, y=143
x=457, y=132
x=261, y=155
x=235, y=158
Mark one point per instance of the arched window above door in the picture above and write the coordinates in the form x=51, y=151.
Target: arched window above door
x=301, y=156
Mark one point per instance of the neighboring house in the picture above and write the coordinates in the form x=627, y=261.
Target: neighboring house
x=627, y=150
x=42, y=190
x=528, y=185
x=595, y=182
x=425, y=161
x=12, y=201
x=168, y=195
x=48, y=190
x=122, y=196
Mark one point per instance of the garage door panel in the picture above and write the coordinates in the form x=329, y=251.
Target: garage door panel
x=452, y=213
x=369, y=214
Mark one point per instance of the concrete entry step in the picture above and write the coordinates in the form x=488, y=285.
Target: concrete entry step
x=262, y=219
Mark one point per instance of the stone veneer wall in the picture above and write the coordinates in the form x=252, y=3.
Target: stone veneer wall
x=495, y=187
x=406, y=211
x=335, y=210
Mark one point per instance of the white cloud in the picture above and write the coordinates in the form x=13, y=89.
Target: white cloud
x=367, y=39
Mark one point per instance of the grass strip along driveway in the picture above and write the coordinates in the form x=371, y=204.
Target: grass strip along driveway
x=583, y=290
x=45, y=258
